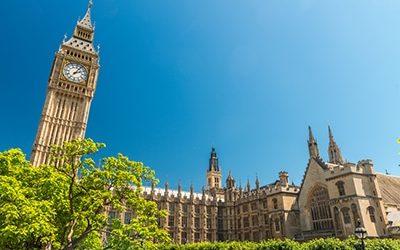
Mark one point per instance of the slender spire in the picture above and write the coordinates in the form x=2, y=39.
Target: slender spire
x=248, y=185
x=166, y=185
x=335, y=156
x=312, y=145
x=257, y=183
x=191, y=189
x=230, y=181
x=310, y=135
x=330, y=134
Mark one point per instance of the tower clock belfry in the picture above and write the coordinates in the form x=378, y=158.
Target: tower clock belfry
x=70, y=91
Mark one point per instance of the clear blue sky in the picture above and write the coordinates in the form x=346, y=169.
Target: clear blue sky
x=247, y=77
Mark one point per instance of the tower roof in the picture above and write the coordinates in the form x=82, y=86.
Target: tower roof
x=213, y=162
x=310, y=135
x=83, y=35
x=86, y=21
x=335, y=156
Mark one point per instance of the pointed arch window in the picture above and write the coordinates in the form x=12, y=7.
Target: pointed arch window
x=371, y=212
x=338, y=222
x=354, y=211
x=340, y=186
x=346, y=215
x=277, y=225
x=275, y=203
x=320, y=210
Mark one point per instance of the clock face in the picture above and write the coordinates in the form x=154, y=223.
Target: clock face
x=75, y=72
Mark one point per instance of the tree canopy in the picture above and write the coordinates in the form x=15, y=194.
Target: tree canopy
x=65, y=205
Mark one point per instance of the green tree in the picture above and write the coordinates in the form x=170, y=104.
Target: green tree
x=65, y=205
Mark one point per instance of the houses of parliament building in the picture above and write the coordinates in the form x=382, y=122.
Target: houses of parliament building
x=333, y=196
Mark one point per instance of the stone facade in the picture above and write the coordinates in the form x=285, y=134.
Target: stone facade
x=333, y=195
x=70, y=91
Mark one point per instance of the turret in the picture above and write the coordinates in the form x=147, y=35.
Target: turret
x=335, y=156
x=213, y=173
x=179, y=189
x=230, y=181
x=191, y=190
x=312, y=145
x=284, y=178
x=257, y=184
x=166, y=187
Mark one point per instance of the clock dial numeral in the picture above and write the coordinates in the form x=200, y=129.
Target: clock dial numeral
x=75, y=72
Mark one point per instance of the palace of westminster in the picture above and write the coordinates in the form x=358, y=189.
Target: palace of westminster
x=333, y=196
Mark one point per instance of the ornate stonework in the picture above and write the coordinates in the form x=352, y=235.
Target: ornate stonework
x=333, y=196
x=70, y=91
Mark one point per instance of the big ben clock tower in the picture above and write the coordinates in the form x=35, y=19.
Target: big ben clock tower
x=70, y=91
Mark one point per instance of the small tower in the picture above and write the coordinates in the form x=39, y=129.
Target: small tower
x=166, y=188
x=191, y=191
x=312, y=145
x=230, y=192
x=284, y=178
x=179, y=189
x=335, y=156
x=248, y=185
x=213, y=173
x=230, y=181
x=257, y=184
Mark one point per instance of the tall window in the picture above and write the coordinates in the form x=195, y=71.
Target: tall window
x=277, y=225
x=340, y=186
x=171, y=221
x=275, y=203
x=346, y=215
x=354, y=211
x=171, y=208
x=371, y=212
x=254, y=220
x=184, y=237
x=111, y=216
x=127, y=217
x=246, y=222
x=320, y=211
x=184, y=221
x=338, y=221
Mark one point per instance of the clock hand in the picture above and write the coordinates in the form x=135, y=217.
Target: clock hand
x=77, y=71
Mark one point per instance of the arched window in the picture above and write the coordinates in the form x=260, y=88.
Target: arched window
x=346, y=215
x=371, y=212
x=355, y=213
x=320, y=211
x=277, y=225
x=275, y=203
x=340, y=186
x=338, y=222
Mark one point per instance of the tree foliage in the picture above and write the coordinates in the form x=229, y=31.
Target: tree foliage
x=65, y=205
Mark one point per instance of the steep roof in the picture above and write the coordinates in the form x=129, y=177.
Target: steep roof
x=390, y=188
